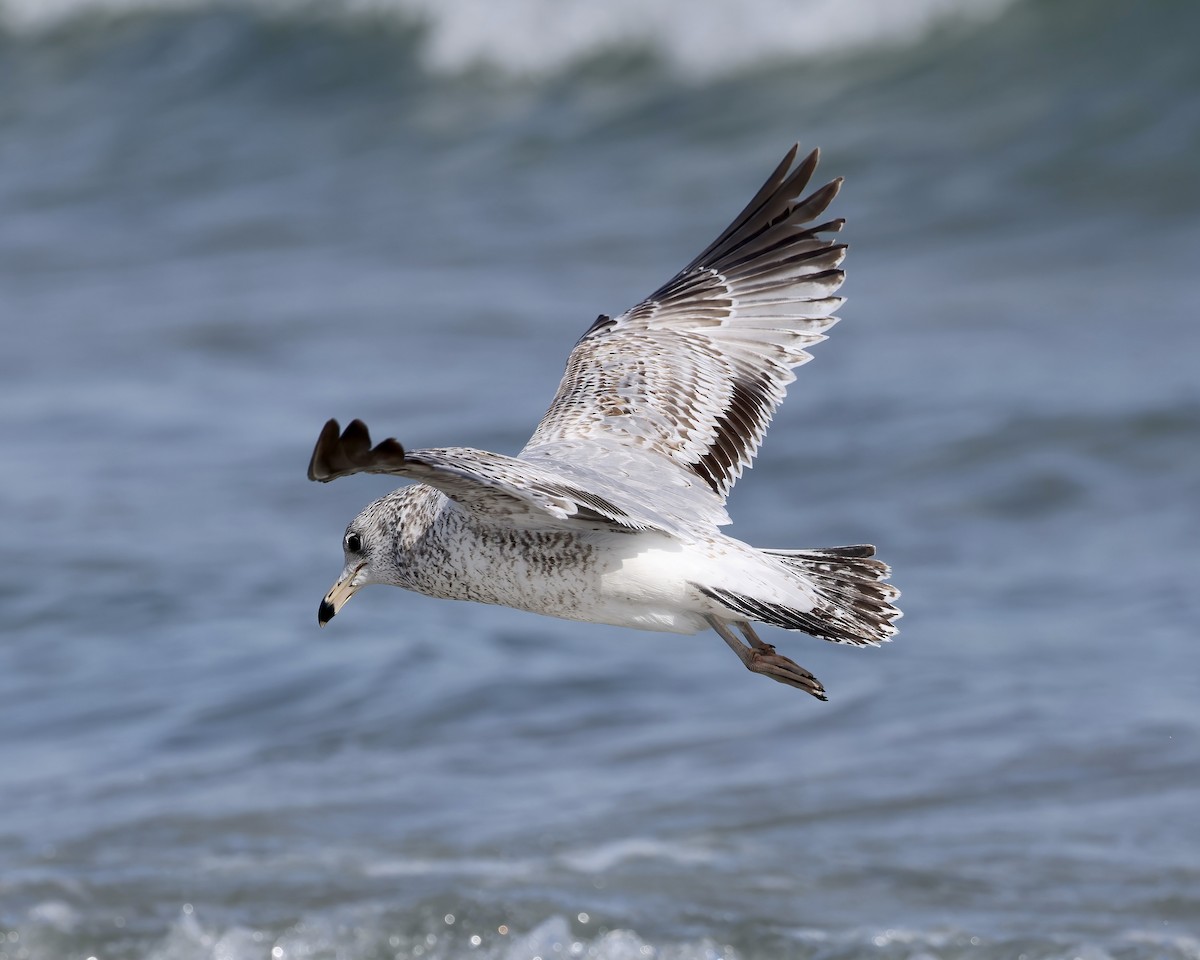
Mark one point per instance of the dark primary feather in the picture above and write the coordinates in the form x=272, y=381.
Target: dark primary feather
x=341, y=454
x=695, y=372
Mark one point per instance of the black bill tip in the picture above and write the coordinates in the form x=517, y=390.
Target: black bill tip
x=325, y=612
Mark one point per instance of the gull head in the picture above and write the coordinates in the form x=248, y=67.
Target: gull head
x=369, y=548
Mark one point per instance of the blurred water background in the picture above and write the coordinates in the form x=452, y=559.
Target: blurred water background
x=221, y=224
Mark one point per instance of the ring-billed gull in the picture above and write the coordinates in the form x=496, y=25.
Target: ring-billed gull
x=611, y=512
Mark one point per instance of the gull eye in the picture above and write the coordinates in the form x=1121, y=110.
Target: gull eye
x=354, y=543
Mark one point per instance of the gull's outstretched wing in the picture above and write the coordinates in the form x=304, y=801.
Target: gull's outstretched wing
x=505, y=490
x=691, y=376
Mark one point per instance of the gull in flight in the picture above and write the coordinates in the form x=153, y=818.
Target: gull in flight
x=612, y=512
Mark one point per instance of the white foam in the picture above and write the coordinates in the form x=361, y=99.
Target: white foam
x=603, y=857
x=23, y=15
x=56, y=915
x=188, y=939
x=539, y=36
x=553, y=938
x=542, y=36
x=368, y=932
x=502, y=869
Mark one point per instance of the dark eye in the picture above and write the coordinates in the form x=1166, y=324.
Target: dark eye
x=354, y=543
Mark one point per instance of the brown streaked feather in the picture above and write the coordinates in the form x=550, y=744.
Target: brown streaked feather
x=695, y=371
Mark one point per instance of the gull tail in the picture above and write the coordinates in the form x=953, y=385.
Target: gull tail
x=844, y=598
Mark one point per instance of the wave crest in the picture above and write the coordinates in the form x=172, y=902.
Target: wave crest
x=538, y=37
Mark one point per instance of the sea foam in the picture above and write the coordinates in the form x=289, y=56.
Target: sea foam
x=536, y=37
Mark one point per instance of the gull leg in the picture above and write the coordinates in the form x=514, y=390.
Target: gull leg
x=760, y=657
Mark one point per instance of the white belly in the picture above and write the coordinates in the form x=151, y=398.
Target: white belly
x=642, y=580
x=648, y=582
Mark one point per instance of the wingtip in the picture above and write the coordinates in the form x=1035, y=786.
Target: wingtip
x=340, y=453
x=317, y=466
x=331, y=430
x=356, y=438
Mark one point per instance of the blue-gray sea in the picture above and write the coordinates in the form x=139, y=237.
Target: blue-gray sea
x=221, y=224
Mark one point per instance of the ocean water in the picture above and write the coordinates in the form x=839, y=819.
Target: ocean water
x=221, y=224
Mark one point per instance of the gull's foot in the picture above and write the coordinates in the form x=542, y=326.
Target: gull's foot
x=760, y=657
x=763, y=659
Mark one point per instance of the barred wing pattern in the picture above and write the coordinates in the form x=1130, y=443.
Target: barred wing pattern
x=693, y=374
